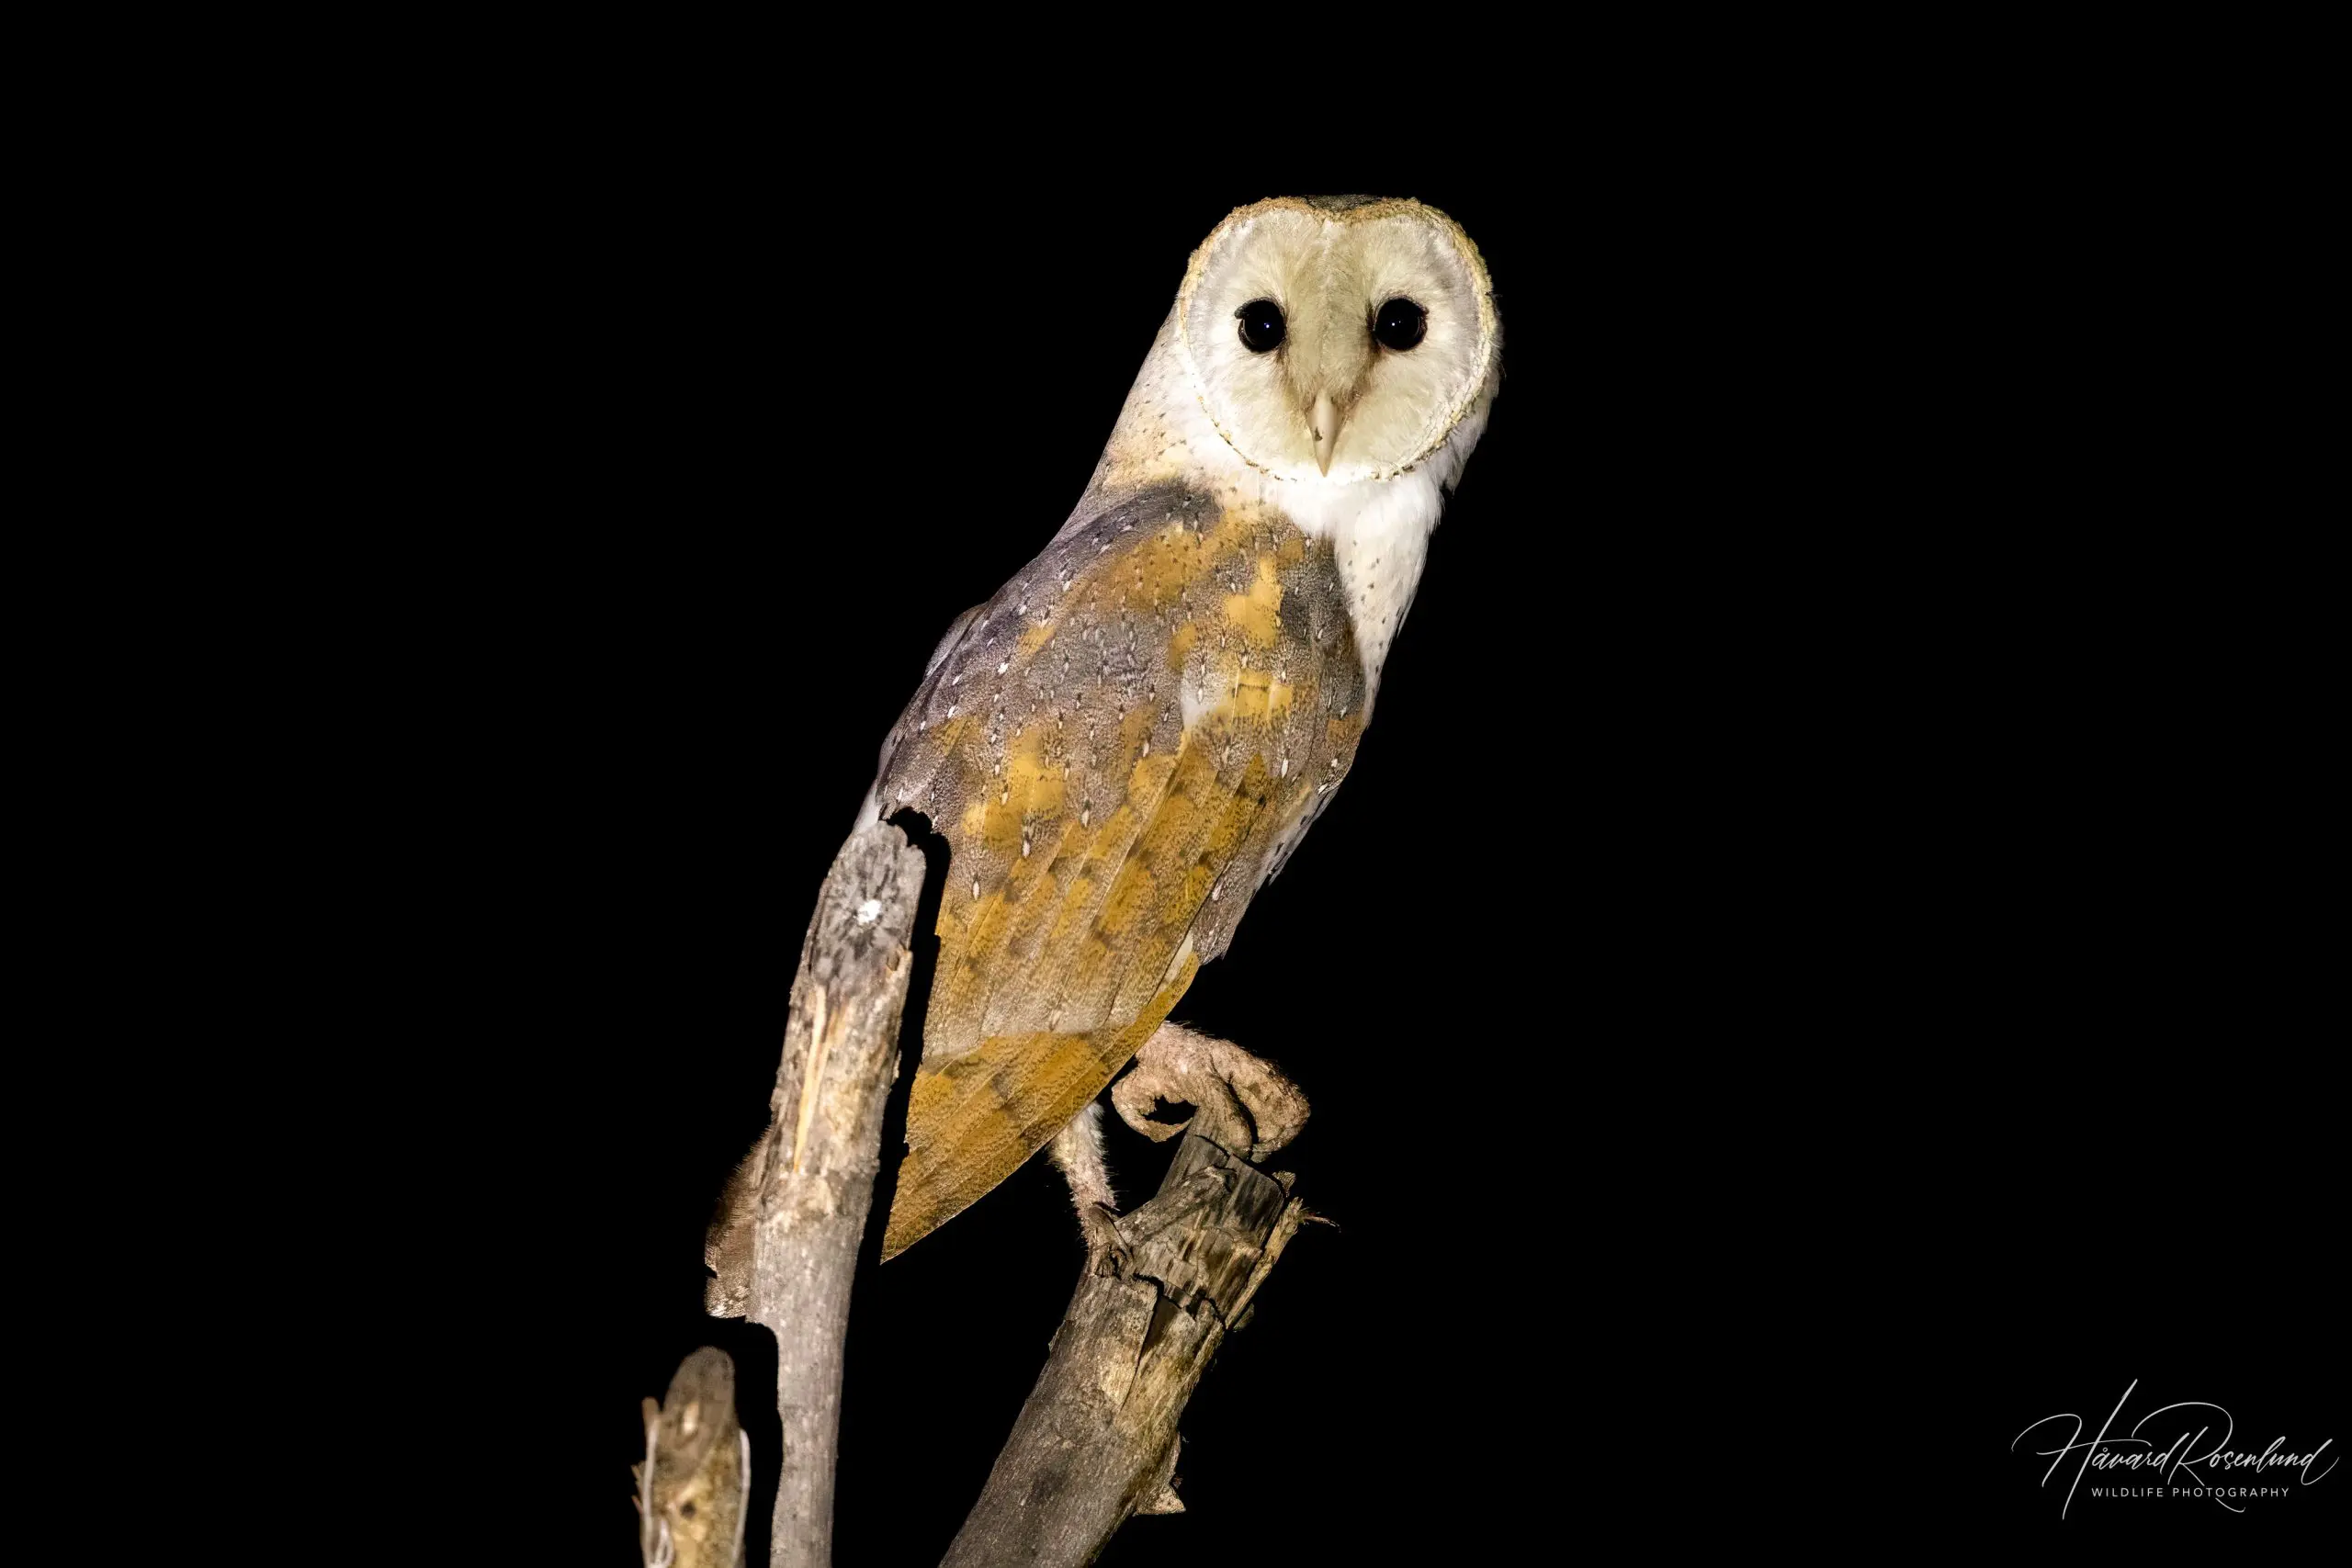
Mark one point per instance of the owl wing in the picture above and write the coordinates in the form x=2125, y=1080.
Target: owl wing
x=1115, y=747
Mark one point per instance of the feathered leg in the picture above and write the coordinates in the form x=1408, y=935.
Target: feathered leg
x=1078, y=1150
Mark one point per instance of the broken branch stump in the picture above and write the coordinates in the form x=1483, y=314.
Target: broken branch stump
x=1097, y=1440
x=698, y=1462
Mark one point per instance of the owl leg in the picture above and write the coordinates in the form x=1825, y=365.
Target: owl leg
x=1237, y=1100
x=1078, y=1150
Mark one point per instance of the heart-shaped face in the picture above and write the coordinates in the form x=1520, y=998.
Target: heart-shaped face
x=1335, y=340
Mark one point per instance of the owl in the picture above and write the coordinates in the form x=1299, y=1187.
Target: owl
x=1129, y=740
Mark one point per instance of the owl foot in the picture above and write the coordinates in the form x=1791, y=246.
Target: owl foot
x=1237, y=1100
x=1107, y=1252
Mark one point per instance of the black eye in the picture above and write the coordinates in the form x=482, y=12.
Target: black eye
x=1399, y=324
x=1261, y=326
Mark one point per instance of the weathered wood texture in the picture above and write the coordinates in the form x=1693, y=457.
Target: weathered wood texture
x=690, y=1488
x=1097, y=1440
x=806, y=1188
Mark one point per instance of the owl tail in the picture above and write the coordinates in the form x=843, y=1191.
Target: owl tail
x=974, y=1120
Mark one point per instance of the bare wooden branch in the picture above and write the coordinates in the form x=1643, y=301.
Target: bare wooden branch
x=1097, y=1439
x=785, y=1247
x=690, y=1488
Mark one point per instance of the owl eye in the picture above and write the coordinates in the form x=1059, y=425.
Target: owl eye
x=1261, y=326
x=1400, y=324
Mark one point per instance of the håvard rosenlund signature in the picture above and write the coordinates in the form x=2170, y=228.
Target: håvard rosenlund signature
x=2104, y=1451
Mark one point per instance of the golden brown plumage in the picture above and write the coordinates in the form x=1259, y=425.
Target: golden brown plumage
x=1135, y=727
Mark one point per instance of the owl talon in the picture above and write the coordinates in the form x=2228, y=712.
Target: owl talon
x=1237, y=1099
x=1107, y=1252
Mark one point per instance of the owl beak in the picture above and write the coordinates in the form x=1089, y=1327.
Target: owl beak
x=1324, y=422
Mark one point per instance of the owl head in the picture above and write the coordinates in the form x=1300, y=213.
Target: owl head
x=1333, y=340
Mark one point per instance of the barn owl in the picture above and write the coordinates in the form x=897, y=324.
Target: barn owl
x=1134, y=733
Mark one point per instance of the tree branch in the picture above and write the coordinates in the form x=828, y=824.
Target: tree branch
x=1097, y=1439
x=784, y=1246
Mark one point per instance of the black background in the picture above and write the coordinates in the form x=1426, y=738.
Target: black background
x=1811, y=971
